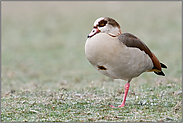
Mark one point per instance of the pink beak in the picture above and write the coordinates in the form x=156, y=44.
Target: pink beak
x=93, y=32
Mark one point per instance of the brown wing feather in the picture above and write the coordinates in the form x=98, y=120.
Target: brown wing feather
x=156, y=62
x=132, y=41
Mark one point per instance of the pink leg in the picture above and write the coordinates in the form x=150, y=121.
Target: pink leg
x=127, y=86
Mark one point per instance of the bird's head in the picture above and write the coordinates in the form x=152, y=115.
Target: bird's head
x=105, y=25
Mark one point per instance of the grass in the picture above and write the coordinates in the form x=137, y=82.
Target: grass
x=91, y=104
x=47, y=78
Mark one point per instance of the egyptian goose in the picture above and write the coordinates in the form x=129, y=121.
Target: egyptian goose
x=119, y=55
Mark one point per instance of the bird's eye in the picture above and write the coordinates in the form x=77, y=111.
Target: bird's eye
x=102, y=23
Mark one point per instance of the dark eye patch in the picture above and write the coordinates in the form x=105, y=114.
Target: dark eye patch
x=102, y=23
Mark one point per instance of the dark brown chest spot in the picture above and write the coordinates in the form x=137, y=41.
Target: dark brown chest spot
x=101, y=67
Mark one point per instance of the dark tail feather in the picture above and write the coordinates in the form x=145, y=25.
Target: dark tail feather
x=163, y=65
x=159, y=73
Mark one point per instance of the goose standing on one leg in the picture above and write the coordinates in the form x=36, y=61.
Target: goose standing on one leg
x=119, y=55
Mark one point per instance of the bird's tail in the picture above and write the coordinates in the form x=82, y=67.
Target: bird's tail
x=158, y=72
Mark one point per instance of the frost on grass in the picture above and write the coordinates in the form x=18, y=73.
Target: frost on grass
x=162, y=103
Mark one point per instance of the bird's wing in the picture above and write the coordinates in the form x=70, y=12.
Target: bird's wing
x=132, y=41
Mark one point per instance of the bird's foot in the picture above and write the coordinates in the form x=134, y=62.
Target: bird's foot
x=122, y=105
x=112, y=106
x=127, y=85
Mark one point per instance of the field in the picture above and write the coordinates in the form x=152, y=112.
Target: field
x=45, y=76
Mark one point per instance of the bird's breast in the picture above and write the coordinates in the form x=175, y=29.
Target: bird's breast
x=114, y=59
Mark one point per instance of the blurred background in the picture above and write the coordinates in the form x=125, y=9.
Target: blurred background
x=43, y=42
